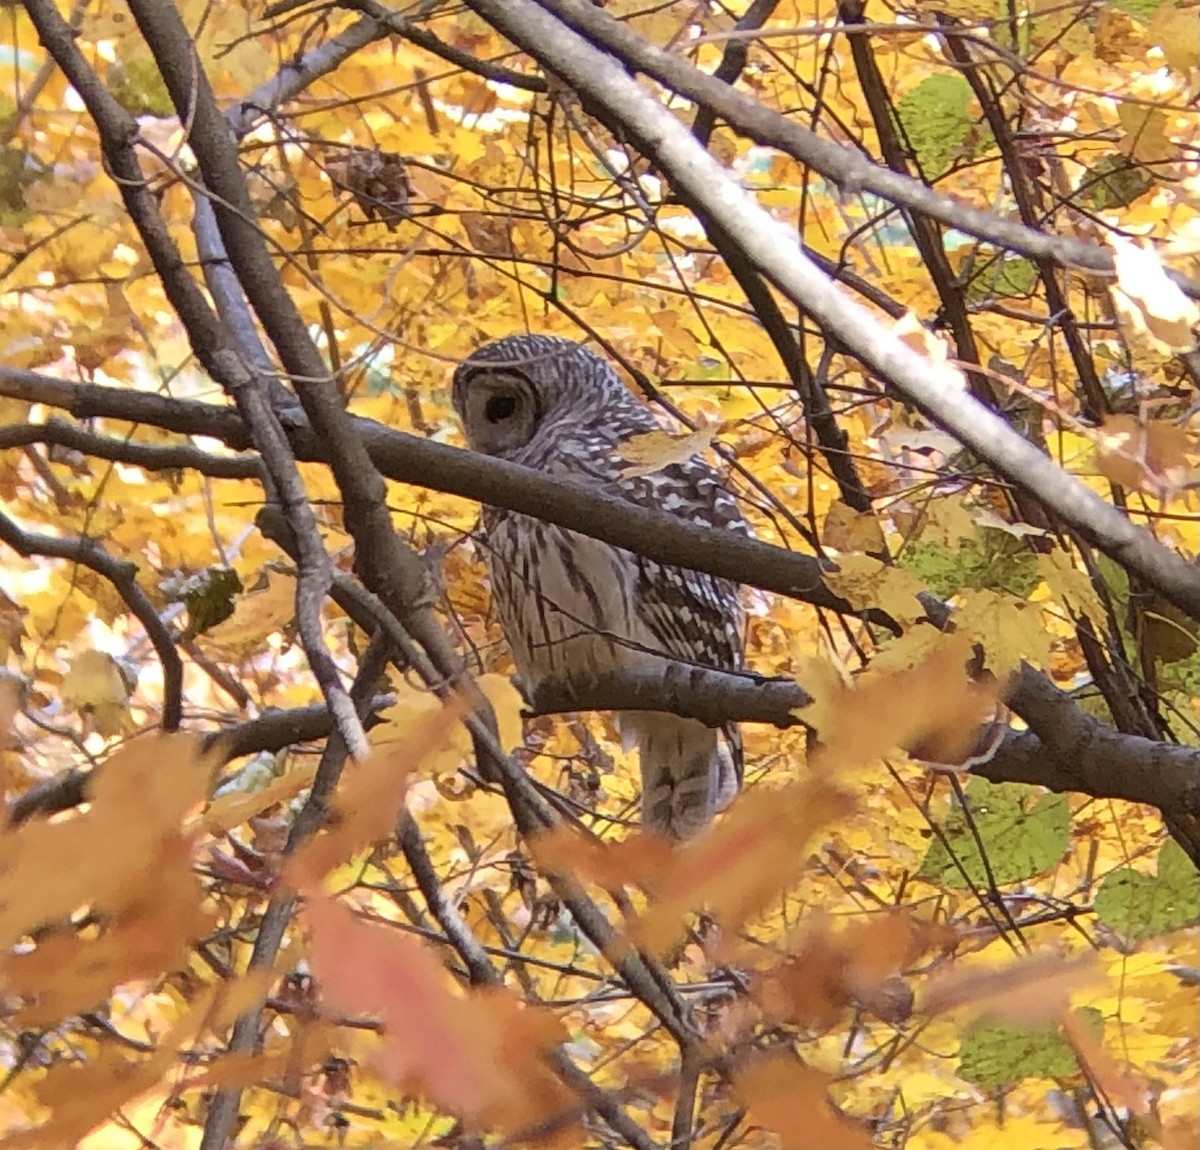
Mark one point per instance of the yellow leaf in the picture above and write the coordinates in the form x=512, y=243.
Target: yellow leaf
x=372, y=794
x=1070, y=585
x=865, y=582
x=849, y=530
x=1145, y=138
x=1008, y=629
x=94, y=680
x=653, y=450
x=258, y=614
x=1035, y=989
x=1176, y=30
x=948, y=522
x=508, y=707
x=1148, y=301
x=94, y=685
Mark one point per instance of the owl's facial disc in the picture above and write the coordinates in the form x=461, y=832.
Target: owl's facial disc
x=500, y=412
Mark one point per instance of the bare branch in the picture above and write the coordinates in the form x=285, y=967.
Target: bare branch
x=57, y=432
x=123, y=576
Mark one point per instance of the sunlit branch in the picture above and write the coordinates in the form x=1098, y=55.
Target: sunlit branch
x=58, y=432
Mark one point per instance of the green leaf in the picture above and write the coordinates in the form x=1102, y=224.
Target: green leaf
x=1010, y=278
x=994, y=562
x=209, y=596
x=1114, y=182
x=936, y=117
x=139, y=88
x=1140, y=905
x=995, y=1054
x=1023, y=831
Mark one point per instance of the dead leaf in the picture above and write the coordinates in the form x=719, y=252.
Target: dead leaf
x=1149, y=456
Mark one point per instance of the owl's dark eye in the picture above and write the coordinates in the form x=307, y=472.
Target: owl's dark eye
x=499, y=408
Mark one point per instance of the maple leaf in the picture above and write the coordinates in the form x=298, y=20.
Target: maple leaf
x=652, y=451
x=107, y=854
x=1145, y=298
x=737, y=867
x=476, y=1054
x=792, y=1099
x=371, y=797
x=1036, y=989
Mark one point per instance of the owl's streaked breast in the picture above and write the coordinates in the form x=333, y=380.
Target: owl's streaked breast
x=566, y=602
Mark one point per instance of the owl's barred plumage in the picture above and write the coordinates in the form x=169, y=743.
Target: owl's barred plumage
x=571, y=606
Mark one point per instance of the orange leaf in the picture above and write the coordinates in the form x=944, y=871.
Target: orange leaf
x=1036, y=989
x=635, y=861
x=477, y=1055
x=829, y=971
x=792, y=1099
x=371, y=797
x=736, y=868
x=933, y=710
x=109, y=854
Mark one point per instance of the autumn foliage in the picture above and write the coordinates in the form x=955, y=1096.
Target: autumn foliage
x=288, y=860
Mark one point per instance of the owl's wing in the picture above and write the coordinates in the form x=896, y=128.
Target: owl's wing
x=695, y=616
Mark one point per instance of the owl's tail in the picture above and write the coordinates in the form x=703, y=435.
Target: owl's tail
x=689, y=771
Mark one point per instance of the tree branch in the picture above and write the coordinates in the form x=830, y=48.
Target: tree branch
x=421, y=462
x=123, y=576
x=57, y=432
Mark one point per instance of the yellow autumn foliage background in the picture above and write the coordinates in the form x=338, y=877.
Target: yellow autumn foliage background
x=841, y=980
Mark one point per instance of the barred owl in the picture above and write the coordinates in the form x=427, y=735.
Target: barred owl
x=571, y=606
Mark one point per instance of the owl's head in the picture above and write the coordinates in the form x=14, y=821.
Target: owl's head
x=509, y=390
